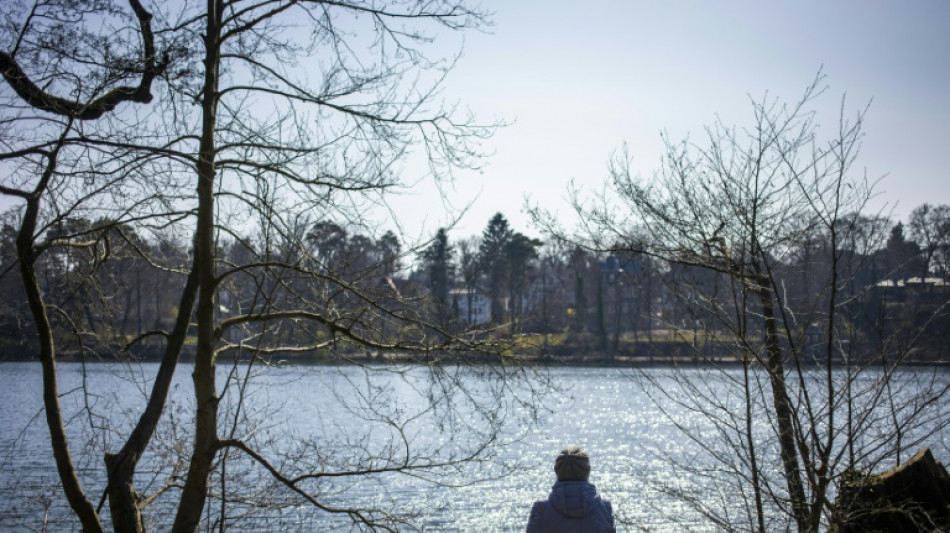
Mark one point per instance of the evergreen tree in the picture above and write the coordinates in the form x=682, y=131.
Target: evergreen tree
x=493, y=254
x=901, y=257
x=389, y=250
x=520, y=253
x=437, y=259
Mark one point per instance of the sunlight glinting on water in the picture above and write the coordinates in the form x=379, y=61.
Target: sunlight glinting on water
x=307, y=417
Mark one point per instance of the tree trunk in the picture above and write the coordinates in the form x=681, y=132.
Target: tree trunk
x=123, y=498
x=753, y=453
x=54, y=416
x=782, y=404
x=195, y=490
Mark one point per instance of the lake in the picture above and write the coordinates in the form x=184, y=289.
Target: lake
x=336, y=413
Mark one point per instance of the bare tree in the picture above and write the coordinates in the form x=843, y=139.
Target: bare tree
x=799, y=402
x=930, y=229
x=371, y=110
x=50, y=51
x=274, y=114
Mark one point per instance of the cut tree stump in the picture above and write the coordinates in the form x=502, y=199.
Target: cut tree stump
x=913, y=497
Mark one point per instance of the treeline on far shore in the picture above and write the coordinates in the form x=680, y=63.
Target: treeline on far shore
x=558, y=349
x=513, y=294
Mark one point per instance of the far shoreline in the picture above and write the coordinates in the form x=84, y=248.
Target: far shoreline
x=592, y=360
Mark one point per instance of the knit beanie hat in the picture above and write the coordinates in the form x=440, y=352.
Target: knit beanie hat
x=572, y=464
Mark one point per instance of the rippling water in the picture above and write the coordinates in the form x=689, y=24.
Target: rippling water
x=599, y=409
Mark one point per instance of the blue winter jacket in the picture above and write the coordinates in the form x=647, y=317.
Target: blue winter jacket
x=572, y=507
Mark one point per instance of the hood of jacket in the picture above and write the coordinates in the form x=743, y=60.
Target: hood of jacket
x=574, y=499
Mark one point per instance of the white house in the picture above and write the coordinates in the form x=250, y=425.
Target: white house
x=470, y=306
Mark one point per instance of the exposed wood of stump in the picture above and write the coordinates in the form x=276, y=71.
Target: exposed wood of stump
x=913, y=497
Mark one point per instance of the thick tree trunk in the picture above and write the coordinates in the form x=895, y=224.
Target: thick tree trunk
x=782, y=404
x=54, y=416
x=195, y=490
x=123, y=498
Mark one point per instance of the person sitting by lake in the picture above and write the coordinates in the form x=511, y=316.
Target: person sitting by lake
x=574, y=505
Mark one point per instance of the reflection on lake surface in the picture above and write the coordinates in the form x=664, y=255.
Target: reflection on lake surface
x=603, y=410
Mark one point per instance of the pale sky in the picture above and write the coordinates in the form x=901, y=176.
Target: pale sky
x=579, y=79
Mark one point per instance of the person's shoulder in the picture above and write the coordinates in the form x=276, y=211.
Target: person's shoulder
x=608, y=510
x=540, y=514
x=540, y=504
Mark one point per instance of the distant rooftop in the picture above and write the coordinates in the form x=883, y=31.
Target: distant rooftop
x=916, y=281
